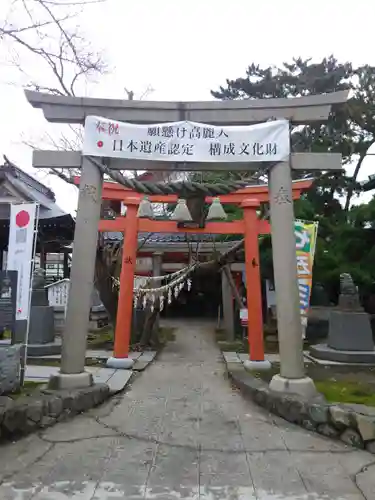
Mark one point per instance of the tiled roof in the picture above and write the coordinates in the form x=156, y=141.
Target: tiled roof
x=30, y=190
x=163, y=237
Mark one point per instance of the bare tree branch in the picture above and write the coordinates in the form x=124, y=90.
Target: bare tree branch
x=47, y=30
x=74, y=3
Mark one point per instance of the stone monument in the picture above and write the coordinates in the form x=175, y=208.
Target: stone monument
x=9, y=369
x=350, y=334
x=42, y=328
x=41, y=340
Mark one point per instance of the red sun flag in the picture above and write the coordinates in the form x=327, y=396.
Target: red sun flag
x=22, y=218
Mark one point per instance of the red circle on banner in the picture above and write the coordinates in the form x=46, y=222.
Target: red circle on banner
x=100, y=144
x=22, y=218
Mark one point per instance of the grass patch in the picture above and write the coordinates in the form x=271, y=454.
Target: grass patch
x=29, y=387
x=235, y=346
x=167, y=334
x=57, y=362
x=6, y=334
x=43, y=362
x=337, y=384
x=346, y=392
x=102, y=339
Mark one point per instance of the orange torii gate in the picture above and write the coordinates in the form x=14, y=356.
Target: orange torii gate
x=251, y=227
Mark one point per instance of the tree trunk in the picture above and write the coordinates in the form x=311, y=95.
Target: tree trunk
x=150, y=334
x=195, y=205
x=233, y=287
x=354, y=179
x=107, y=292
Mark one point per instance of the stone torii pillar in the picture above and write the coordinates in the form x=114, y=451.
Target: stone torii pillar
x=73, y=356
x=302, y=110
x=292, y=370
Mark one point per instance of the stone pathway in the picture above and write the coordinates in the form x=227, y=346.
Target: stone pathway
x=182, y=432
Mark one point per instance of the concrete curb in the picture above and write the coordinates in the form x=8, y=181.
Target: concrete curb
x=45, y=408
x=352, y=424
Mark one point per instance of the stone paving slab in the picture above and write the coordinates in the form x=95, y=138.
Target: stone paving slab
x=100, y=354
x=115, y=379
x=181, y=431
x=119, y=380
x=273, y=358
x=147, y=356
x=144, y=360
x=232, y=357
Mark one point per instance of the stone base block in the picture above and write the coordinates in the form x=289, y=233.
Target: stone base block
x=323, y=351
x=301, y=386
x=120, y=363
x=19, y=332
x=350, y=331
x=257, y=366
x=70, y=380
x=39, y=350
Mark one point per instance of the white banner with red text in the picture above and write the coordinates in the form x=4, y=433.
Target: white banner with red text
x=187, y=141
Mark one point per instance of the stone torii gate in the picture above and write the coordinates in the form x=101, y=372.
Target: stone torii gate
x=301, y=110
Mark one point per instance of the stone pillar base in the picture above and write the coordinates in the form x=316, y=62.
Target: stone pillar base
x=302, y=386
x=257, y=366
x=120, y=363
x=70, y=380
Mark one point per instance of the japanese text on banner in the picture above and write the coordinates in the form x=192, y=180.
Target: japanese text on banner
x=187, y=141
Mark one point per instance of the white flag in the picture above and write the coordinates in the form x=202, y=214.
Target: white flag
x=20, y=252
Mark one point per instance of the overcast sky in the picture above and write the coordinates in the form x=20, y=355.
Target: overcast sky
x=183, y=49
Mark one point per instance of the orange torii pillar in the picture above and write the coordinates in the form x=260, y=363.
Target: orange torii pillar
x=120, y=358
x=256, y=359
